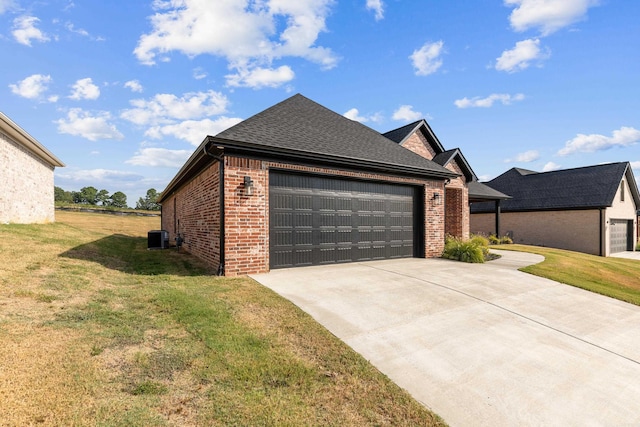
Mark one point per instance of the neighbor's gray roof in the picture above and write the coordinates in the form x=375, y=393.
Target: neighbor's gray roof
x=579, y=188
x=299, y=125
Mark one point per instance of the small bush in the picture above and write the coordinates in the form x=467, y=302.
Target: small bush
x=465, y=251
x=506, y=240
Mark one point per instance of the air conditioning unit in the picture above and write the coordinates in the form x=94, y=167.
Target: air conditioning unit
x=157, y=239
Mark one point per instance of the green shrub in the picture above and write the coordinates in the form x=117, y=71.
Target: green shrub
x=506, y=240
x=494, y=240
x=465, y=251
x=638, y=246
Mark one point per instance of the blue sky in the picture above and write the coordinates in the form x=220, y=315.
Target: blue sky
x=124, y=91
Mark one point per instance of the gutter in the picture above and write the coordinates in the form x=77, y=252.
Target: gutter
x=219, y=158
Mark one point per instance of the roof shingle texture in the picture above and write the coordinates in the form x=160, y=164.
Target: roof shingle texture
x=586, y=187
x=302, y=125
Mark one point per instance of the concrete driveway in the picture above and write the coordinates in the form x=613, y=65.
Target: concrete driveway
x=481, y=344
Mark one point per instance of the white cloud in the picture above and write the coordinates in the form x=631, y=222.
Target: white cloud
x=6, y=5
x=521, y=56
x=31, y=87
x=550, y=166
x=24, y=30
x=405, y=113
x=193, y=131
x=166, y=108
x=635, y=165
x=134, y=85
x=526, y=157
x=71, y=28
x=260, y=77
x=622, y=137
x=92, y=127
x=504, y=98
x=249, y=35
x=376, y=6
x=199, y=73
x=98, y=176
x=426, y=60
x=84, y=89
x=354, y=114
x=159, y=157
x=547, y=15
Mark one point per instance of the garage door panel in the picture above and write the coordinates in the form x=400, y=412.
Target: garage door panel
x=319, y=220
x=619, y=235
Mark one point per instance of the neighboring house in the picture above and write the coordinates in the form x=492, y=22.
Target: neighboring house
x=299, y=184
x=589, y=209
x=460, y=191
x=26, y=179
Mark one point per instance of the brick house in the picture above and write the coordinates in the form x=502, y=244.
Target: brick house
x=590, y=209
x=299, y=184
x=460, y=191
x=26, y=179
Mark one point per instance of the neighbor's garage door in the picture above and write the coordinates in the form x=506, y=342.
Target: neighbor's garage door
x=320, y=220
x=619, y=237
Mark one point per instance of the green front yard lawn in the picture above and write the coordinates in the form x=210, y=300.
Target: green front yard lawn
x=96, y=330
x=615, y=277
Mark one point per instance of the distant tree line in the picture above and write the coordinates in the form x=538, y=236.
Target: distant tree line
x=94, y=197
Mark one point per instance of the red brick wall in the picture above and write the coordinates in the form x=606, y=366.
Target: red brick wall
x=247, y=217
x=197, y=215
x=457, y=215
x=419, y=145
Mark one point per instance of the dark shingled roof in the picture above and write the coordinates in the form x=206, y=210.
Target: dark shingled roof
x=579, y=188
x=299, y=125
x=400, y=134
x=479, y=191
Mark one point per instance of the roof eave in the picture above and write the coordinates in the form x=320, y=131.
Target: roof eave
x=23, y=137
x=332, y=160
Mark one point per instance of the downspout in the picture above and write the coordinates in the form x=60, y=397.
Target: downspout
x=601, y=231
x=498, y=218
x=220, y=159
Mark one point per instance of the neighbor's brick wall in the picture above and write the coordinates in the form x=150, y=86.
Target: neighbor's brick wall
x=26, y=185
x=621, y=209
x=194, y=212
x=573, y=230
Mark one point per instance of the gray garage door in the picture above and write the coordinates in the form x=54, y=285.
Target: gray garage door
x=320, y=220
x=619, y=237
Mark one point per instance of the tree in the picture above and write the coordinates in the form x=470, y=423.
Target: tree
x=118, y=200
x=103, y=197
x=86, y=195
x=150, y=201
x=62, y=196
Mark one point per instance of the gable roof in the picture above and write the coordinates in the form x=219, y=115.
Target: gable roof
x=21, y=136
x=299, y=125
x=578, y=188
x=448, y=156
x=300, y=130
x=401, y=134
